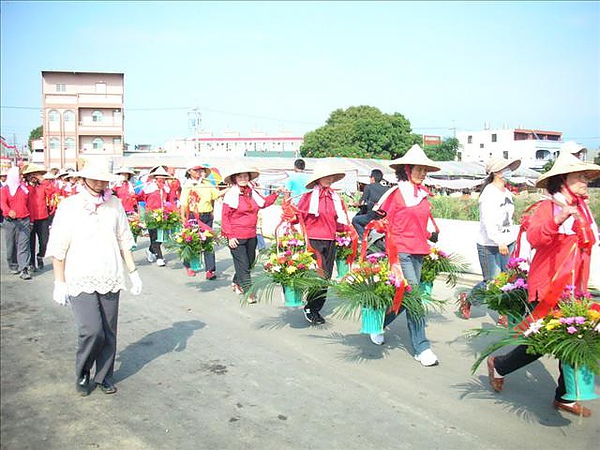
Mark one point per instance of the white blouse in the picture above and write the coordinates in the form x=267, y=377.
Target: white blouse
x=90, y=240
x=496, y=209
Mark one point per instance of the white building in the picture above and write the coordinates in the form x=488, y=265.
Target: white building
x=533, y=147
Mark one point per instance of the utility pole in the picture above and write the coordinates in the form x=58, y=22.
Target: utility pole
x=194, y=120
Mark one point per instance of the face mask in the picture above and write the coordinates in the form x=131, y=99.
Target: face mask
x=506, y=174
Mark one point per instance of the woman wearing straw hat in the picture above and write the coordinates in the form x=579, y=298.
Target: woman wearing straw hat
x=156, y=195
x=89, y=240
x=409, y=215
x=197, y=203
x=497, y=236
x=239, y=216
x=124, y=191
x=323, y=212
x=563, y=232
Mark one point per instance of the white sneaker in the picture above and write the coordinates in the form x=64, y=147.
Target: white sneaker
x=151, y=257
x=377, y=338
x=427, y=358
x=160, y=262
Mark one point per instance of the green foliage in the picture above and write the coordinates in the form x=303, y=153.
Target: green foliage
x=360, y=132
x=36, y=133
x=446, y=151
x=437, y=262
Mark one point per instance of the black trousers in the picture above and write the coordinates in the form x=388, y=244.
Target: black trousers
x=518, y=358
x=40, y=232
x=326, y=249
x=243, y=256
x=155, y=247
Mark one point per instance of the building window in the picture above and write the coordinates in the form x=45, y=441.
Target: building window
x=96, y=116
x=70, y=144
x=505, y=154
x=97, y=144
x=117, y=117
x=53, y=116
x=54, y=144
x=61, y=87
x=480, y=145
x=469, y=139
x=117, y=141
x=494, y=137
x=101, y=88
x=69, y=116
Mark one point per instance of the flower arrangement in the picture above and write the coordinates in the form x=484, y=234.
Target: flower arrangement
x=570, y=333
x=162, y=219
x=507, y=292
x=190, y=241
x=136, y=225
x=371, y=284
x=438, y=261
x=343, y=245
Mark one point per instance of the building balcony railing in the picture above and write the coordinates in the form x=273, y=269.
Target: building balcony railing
x=99, y=130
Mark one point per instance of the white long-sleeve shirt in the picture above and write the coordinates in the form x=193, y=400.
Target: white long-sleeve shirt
x=496, y=209
x=89, y=239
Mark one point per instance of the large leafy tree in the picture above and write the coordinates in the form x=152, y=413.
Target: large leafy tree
x=446, y=151
x=360, y=132
x=36, y=133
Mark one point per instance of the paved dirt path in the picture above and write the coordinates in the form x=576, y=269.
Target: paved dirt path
x=196, y=370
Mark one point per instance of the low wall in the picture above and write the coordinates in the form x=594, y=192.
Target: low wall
x=456, y=236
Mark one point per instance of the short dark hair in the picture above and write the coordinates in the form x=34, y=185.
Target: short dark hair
x=299, y=164
x=555, y=183
x=377, y=175
x=401, y=174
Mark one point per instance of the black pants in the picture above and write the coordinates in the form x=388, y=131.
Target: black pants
x=155, y=247
x=326, y=249
x=518, y=358
x=39, y=234
x=243, y=256
x=209, y=258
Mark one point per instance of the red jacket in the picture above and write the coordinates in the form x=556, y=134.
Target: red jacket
x=240, y=223
x=174, y=191
x=39, y=198
x=126, y=194
x=325, y=225
x=159, y=199
x=19, y=203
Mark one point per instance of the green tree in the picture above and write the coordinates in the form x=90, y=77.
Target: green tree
x=360, y=132
x=36, y=133
x=446, y=151
x=597, y=159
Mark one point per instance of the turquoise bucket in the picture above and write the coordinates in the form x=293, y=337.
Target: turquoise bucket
x=162, y=235
x=292, y=297
x=342, y=267
x=579, y=383
x=196, y=264
x=372, y=320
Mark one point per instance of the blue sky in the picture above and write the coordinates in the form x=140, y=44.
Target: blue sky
x=288, y=65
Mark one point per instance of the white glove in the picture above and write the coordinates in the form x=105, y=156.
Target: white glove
x=61, y=294
x=136, y=283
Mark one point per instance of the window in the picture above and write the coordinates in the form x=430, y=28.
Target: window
x=61, y=87
x=96, y=116
x=505, y=154
x=54, y=144
x=469, y=139
x=101, y=88
x=97, y=143
x=117, y=141
x=494, y=137
x=117, y=117
x=480, y=145
x=53, y=116
x=69, y=116
x=70, y=144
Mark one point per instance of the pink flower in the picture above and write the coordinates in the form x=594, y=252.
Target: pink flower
x=572, y=330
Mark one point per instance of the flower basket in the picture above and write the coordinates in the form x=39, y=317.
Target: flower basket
x=190, y=242
x=342, y=267
x=162, y=235
x=196, y=264
x=292, y=297
x=570, y=333
x=438, y=262
x=579, y=383
x=165, y=219
x=372, y=320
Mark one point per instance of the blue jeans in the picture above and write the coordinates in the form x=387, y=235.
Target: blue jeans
x=411, y=267
x=492, y=263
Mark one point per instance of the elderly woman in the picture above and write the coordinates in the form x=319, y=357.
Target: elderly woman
x=239, y=217
x=409, y=215
x=497, y=236
x=324, y=213
x=90, y=237
x=562, y=231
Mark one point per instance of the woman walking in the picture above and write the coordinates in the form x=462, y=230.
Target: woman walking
x=562, y=231
x=90, y=237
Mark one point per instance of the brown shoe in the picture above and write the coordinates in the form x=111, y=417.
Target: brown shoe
x=577, y=408
x=496, y=383
x=464, y=305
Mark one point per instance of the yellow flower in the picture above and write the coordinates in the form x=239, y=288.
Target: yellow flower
x=552, y=324
x=594, y=315
x=291, y=269
x=179, y=240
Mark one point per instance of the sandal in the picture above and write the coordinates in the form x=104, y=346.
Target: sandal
x=464, y=305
